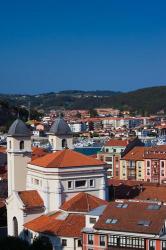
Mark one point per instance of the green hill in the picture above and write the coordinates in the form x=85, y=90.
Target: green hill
x=142, y=101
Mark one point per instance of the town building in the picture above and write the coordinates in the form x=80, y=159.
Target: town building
x=127, y=225
x=112, y=152
x=38, y=186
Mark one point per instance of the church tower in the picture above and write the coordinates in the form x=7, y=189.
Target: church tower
x=18, y=155
x=60, y=135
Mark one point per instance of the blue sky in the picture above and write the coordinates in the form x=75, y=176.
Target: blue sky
x=81, y=44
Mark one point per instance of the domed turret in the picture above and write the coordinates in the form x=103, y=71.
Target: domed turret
x=18, y=154
x=60, y=135
x=18, y=129
x=60, y=127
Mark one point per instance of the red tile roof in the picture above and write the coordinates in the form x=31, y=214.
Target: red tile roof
x=141, y=153
x=155, y=193
x=157, y=152
x=136, y=154
x=31, y=199
x=38, y=152
x=66, y=158
x=82, y=202
x=60, y=224
x=117, y=143
x=129, y=217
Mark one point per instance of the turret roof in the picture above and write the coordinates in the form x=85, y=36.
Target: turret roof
x=18, y=128
x=60, y=127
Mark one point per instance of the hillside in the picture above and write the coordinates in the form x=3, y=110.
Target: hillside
x=143, y=101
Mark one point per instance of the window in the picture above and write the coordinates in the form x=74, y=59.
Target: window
x=122, y=205
x=70, y=186
x=36, y=181
x=10, y=144
x=153, y=207
x=148, y=164
x=107, y=150
x=108, y=159
x=21, y=145
x=111, y=221
x=64, y=143
x=92, y=220
x=15, y=227
x=162, y=164
x=152, y=245
x=91, y=183
x=79, y=243
x=80, y=184
x=144, y=223
x=126, y=242
x=64, y=242
x=112, y=240
x=90, y=239
x=102, y=240
x=163, y=245
x=114, y=150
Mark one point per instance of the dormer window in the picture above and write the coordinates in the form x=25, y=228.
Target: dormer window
x=21, y=145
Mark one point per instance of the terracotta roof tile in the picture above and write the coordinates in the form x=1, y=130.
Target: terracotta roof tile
x=128, y=218
x=141, y=153
x=66, y=158
x=69, y=225
x=31, y=199
x=38, y=152
x=152, y=193
x=117, y=143
x=136, y=154
x=82, y=202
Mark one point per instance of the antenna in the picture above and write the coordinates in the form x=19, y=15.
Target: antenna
x=29, y=110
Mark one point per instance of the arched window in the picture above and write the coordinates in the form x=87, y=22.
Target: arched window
x=15, y=227
x=64, y=143
x=21, y=144
x=10, y=144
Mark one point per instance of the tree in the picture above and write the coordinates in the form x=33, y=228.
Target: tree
x=13, y=243
x=41, y=243
x=93, y=113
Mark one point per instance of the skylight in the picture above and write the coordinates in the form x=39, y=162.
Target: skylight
x=122, y=205
x=153, y=207
x=111, y=221
x=144, y=223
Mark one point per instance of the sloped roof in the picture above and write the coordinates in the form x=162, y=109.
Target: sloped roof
x=31, y=199
x=69, y=225
x=60, y=127
x=136, y=154
x=82, y=202
x=38, y=152
x=128, y=218
x=153, y=193
x=116, y=143
x=18, y=128
x=65, y=158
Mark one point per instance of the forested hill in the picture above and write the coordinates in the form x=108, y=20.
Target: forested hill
x=143, y=101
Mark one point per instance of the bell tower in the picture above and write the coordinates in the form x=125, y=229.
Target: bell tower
x=60, y=135
x=18, y=155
